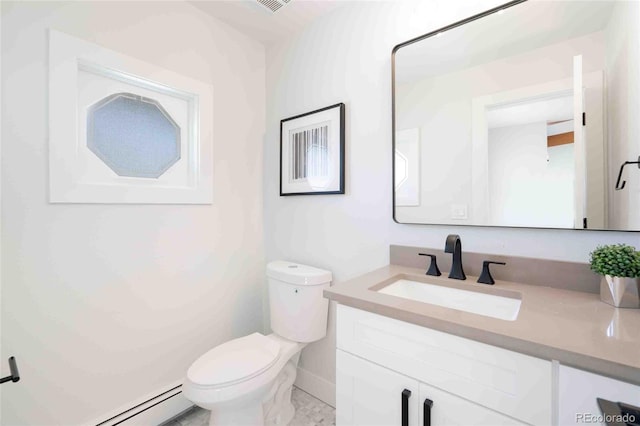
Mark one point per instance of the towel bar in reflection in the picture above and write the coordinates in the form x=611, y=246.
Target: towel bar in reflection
x=15, y=375
x=618, y=186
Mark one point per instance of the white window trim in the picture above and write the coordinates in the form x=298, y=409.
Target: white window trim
x=67, y=56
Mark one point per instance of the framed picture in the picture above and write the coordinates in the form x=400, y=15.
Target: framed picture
x=312, y=152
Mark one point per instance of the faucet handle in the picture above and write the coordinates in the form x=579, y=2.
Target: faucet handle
x=485, y=276
x=433, y=267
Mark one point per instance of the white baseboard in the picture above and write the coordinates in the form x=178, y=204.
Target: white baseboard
x=317, y=386
x=152, y=409
x=160, y=413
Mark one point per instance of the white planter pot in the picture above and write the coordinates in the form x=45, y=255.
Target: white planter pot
x=621, y=292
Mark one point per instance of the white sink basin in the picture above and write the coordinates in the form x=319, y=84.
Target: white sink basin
x=489, y=305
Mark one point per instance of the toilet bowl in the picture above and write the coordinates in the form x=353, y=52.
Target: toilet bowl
x=244, y=381
x=248, y=381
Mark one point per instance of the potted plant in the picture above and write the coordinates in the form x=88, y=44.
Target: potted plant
x=619, y=265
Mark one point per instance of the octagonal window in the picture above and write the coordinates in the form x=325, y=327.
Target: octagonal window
x=133, y=135
x=402, y=169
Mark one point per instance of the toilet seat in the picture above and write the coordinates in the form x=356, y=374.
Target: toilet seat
x=235, y=361
x=233, y=395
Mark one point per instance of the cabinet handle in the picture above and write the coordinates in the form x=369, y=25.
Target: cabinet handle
x=426, y=414
x=405, y=407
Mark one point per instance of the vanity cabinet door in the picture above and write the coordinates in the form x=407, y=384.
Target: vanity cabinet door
x=516, y=385
x=449, y=410
x=579, y=391
x=367, y=394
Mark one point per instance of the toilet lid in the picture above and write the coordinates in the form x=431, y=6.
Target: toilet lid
x=235, y=360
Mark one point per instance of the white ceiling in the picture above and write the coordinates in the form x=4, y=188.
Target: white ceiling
x=260, y=23
x=551, y=109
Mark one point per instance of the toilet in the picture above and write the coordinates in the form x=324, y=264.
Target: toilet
x=248, y=381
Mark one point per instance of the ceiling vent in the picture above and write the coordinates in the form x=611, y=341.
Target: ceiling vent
x=273, y=5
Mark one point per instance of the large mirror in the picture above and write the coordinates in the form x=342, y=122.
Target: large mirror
x=523, y=116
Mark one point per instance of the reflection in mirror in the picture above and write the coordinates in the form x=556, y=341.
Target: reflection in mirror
x=522, y=118
x=531, y=146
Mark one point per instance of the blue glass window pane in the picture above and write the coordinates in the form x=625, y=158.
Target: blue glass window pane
x=133, y=135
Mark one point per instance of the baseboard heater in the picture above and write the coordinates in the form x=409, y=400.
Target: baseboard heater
x=152, y=411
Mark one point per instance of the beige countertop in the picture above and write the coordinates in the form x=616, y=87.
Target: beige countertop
x=572, y=327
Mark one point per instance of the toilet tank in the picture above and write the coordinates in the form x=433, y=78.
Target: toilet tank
x=298, y=309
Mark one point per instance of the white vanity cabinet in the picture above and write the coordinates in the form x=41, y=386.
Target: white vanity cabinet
x=578, y=393
x=453, y=410
x=368, y=394
x=469, y=382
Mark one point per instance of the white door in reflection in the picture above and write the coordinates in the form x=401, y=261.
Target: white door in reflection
x=535, y=163
x=531, y=148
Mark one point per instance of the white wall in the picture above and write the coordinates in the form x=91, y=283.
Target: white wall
x=533, y=184
x=103, y=304
x=346, y=56
x=623, y=82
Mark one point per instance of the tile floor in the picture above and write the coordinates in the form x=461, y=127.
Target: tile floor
x=310, y=411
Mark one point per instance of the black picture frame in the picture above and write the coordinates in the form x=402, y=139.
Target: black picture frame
x=312, y=152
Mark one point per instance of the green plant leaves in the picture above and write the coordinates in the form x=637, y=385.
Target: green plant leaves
x=618, y=260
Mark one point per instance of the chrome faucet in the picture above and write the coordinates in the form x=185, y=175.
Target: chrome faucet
x=453, y=245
